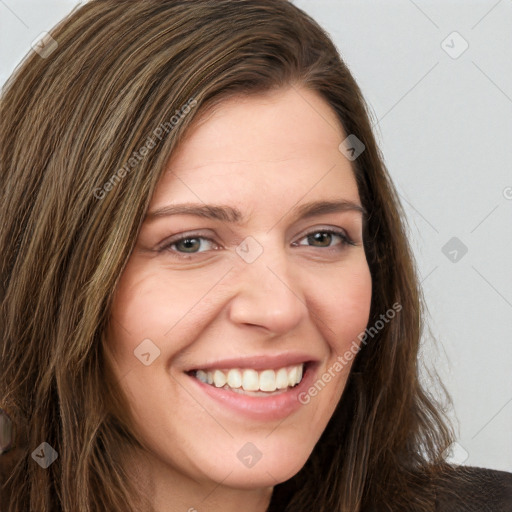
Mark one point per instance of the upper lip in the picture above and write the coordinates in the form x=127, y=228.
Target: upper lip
x=258, y=362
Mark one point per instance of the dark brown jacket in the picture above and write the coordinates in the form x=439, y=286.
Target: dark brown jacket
x=462, y=489
x=476, y=490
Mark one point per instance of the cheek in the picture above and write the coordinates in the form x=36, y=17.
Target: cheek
x=137, y=313
x=345, y=307
x=149, y=304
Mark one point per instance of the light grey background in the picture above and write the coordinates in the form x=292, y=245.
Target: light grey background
x=444, y=125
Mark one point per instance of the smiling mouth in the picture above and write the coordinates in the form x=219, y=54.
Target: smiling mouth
x=251, y=382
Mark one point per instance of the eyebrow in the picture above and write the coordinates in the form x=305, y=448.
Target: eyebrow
x=233, y=215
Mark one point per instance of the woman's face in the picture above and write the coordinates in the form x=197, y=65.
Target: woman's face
x=265, y=277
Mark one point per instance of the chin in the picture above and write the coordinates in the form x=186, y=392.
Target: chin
x=264, y=462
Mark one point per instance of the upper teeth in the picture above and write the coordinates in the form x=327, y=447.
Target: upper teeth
x=251, y=380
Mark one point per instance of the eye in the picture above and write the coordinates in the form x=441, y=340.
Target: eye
x=325, y=237
x=190, y=244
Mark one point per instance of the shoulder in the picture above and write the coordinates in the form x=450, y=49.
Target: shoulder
x=473, y=489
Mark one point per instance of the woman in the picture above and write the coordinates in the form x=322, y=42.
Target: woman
x=208, y=298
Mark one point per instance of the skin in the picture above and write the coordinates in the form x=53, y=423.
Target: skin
x=264, y=155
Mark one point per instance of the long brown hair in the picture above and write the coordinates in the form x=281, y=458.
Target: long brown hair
x=74, y=190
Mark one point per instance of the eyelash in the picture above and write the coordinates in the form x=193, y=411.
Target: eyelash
x=345, y=241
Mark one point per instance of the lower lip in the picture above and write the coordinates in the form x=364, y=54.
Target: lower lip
x=264, y=408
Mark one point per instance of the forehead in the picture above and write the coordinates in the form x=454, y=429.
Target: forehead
x=265, y=145
x=270, y=126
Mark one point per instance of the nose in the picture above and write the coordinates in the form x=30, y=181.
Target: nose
x=268, y=294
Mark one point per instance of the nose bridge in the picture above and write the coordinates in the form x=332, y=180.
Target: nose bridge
x=267, y=293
